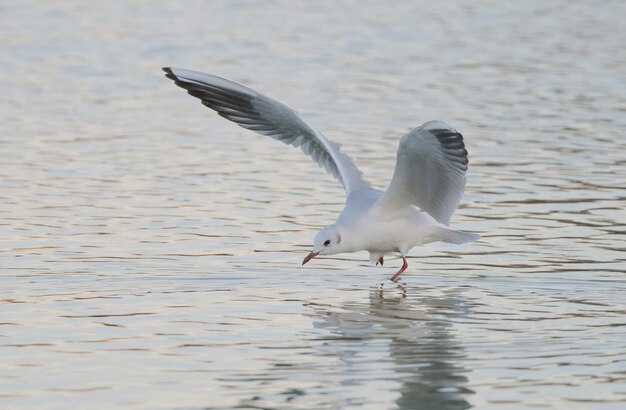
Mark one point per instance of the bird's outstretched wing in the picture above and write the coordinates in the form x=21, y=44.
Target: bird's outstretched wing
x=266, y=116
x=430, y=172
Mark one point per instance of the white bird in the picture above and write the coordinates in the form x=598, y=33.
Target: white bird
x=416, y=208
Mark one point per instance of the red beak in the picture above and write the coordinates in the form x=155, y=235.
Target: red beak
x=309, y=257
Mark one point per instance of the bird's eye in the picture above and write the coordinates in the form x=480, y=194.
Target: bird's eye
x=327, y=242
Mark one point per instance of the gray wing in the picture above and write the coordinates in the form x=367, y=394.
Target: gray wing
x=266, y=116
x=430, y=171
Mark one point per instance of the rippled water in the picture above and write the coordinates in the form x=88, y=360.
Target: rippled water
x=150, y=250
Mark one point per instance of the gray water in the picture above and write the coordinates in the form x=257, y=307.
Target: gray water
x=150, y=250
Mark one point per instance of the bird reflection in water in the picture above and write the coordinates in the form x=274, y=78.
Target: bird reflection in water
x=421, y=351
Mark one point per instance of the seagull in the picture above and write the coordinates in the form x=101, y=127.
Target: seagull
x=426, y=187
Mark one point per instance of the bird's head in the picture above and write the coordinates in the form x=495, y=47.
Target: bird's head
x=327, y=242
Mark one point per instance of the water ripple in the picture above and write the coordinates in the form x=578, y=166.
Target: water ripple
x=146, y=242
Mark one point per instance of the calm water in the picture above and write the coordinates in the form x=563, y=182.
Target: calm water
x=150, y=251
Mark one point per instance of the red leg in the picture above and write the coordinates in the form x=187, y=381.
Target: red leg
x=381, y=261
x=402, y=269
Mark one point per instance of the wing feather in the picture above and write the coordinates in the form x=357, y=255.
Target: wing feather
x=266, y=116
x=430, y=171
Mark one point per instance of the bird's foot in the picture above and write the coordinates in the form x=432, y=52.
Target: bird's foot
x=405, y=265
x=381, y=261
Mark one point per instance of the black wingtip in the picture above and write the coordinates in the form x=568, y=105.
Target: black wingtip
x=169, y=73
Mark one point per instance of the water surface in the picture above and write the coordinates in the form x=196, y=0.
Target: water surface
x=150, y=251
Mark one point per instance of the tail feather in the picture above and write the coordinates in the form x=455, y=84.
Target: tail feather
x=452, y=236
